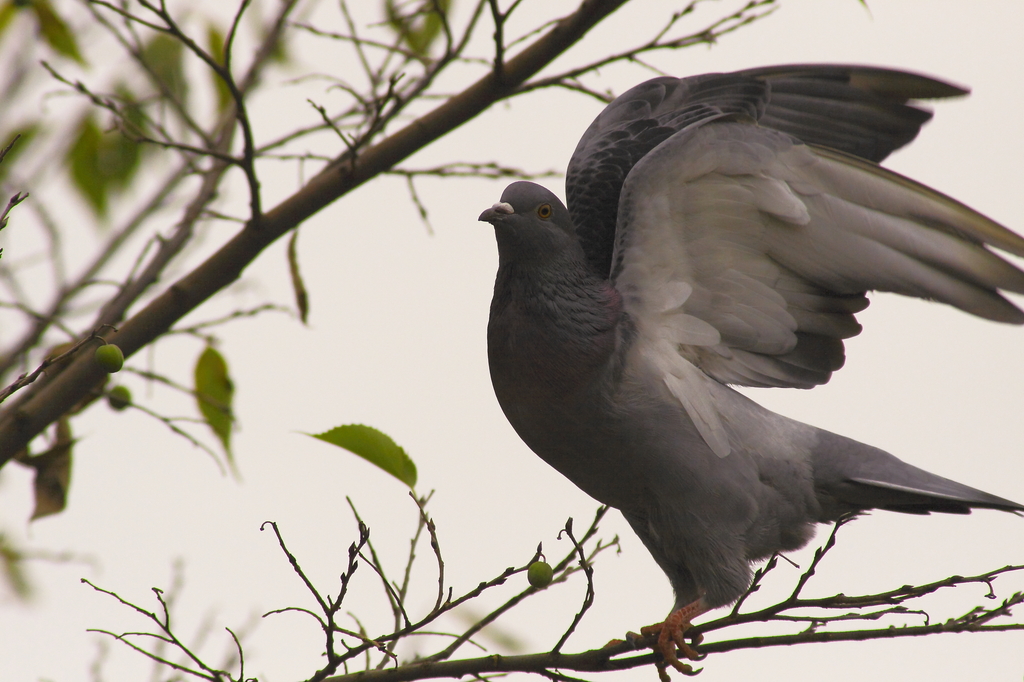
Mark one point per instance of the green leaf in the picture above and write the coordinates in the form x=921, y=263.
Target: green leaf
x=12, y=566
x=164, y=55
x=7, y=12
x=83, y=157
x=120, y=154
x=55, y=32
x=53, y=472
x=214, y=392
x=419, y=29
x=301, y=295
x=215, y=46
x=373, y=446
x=104, y=162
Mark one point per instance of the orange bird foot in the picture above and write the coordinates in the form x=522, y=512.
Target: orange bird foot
x=671, y=635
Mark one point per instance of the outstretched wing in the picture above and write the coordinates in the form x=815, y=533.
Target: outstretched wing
x=858, y=110
x=743, y=255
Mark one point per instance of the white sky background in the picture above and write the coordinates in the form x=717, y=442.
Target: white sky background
x=396, y=340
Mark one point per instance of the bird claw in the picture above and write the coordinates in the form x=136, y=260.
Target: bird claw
x=672, y=641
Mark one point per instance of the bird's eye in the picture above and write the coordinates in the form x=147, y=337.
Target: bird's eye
x=544, y=211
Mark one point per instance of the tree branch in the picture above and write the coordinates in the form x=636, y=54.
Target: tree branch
x=31, y=415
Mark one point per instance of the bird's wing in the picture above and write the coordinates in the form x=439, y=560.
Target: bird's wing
x=860, y=110
x=743, y=255
x=856, y=109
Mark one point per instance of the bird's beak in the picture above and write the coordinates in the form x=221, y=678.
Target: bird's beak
x=499, y=210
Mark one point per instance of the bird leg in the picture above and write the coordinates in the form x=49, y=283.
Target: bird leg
x=671, y=634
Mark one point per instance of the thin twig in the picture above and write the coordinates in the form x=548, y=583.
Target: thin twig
x=588, y=599
x=26, y=379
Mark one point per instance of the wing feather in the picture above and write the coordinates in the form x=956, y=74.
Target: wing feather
x=743, y=217
x=773, y=244
x=859, y=110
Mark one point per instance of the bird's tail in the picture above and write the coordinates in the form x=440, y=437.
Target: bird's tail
x=850, y=476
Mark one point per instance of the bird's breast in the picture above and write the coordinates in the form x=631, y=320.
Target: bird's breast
x=557, y=379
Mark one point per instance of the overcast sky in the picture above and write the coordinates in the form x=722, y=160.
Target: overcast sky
x=396, y=340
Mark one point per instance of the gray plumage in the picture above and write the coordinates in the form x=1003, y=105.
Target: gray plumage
x=724, y=229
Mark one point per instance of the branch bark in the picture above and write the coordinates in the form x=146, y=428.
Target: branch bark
x=52, y=397
x=604, y=659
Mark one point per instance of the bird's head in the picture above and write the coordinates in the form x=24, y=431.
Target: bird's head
x=531, y=225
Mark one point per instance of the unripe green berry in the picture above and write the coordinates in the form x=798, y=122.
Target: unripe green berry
x=110, y=358
x=540, y=574
x=119, y=398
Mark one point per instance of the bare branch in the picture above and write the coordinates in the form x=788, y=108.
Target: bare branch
x=752, y=11
x=11, y=203
x=41, y=407
x=163, y=622
x=818, y=618
x=397, y=605
x=26, y=379
x=111, y=247
x=298, y=569
x=588, y=600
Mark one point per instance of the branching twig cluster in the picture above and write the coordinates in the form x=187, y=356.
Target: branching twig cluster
x=165, y=638
x=817, y=614
x=343, y=646
x=55, y=359
x=820, y=620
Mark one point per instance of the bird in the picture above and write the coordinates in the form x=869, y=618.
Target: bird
x=723, y=230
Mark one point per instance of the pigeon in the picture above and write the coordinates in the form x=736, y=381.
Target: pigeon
x=723, y=230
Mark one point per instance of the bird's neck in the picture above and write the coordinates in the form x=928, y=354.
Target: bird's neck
x=550, y=332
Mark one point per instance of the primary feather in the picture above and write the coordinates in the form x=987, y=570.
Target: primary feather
x=724, y=229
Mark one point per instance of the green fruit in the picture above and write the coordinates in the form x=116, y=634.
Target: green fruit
x=540, y=574
x=110, y=358
x=119, y=398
